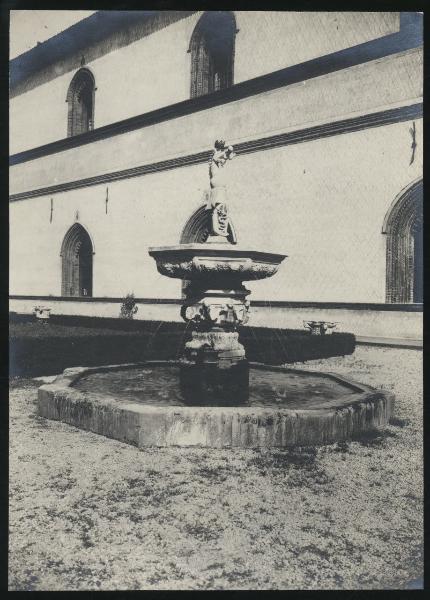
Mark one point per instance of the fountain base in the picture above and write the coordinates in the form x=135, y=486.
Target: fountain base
x=214, y=367
x=221, y=382
x=141, y=404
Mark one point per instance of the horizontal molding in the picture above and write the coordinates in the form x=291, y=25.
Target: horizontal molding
x=105, y=299
x=367, y=306
x=378, y=119
x=409, y=37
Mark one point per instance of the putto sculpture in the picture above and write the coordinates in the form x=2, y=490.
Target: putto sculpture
x=221, y=224
x=222, y=153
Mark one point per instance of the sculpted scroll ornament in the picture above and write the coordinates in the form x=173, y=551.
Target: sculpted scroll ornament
x=227, y=314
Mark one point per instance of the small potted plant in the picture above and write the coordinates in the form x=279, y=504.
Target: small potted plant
x=128, y=307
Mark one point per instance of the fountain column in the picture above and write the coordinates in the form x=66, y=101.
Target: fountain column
x=213, y=366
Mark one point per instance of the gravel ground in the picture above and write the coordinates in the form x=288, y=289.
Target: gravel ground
x=89, y=513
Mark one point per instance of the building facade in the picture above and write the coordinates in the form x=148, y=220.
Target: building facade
x=112, y=122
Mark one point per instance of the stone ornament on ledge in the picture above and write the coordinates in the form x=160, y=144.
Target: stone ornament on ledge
x=41, y=312
x=320, y=327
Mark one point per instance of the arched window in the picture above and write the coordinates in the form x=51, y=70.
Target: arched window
x=80, y=98
x=403, y=226
x=212, y=53
x=77, y=262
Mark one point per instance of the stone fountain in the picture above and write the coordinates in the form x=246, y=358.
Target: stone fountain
x=214, y=364
x=212, y=396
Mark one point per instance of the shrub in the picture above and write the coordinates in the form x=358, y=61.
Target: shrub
x=44, y=349
x=128, y=307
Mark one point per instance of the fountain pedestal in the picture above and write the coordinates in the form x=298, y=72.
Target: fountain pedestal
x=218, y=377
x=213, y=367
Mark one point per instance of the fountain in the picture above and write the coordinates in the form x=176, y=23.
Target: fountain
x=214, y=364
x=213, y=396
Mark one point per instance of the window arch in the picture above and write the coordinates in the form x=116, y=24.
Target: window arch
x=403, y=226
x=77, y=262
x=80, y=98
x=212, y=52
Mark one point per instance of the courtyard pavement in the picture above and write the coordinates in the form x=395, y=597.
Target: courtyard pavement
x=90, y=513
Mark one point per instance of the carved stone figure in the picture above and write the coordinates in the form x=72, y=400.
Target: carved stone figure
x=211, y=312
x=220, y=220
x=221, y=224
x=221, y=155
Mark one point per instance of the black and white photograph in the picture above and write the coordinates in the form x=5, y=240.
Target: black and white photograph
x=215, y=299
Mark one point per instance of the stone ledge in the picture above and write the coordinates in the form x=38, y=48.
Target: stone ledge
x=409, y=343
x=216, y=427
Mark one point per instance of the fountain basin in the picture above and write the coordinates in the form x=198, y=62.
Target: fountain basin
x=200, y=261
x=141, y=404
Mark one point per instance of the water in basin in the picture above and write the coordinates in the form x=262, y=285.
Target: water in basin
x=159, y=386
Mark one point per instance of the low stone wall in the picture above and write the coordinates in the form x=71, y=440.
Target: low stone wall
x=392, y=325
x=386, y=326
x=93, y=308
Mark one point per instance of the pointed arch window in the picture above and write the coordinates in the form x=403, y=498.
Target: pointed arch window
x=80, y=99
x=212, y=53
x=77, y=262
x=403, y=226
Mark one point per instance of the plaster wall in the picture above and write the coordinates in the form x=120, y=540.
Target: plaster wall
x=155, y=71
x=322, y=203
x=347, y=93
x=272, y=40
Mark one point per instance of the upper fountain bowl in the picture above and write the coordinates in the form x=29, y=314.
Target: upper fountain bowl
x=200, y=261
